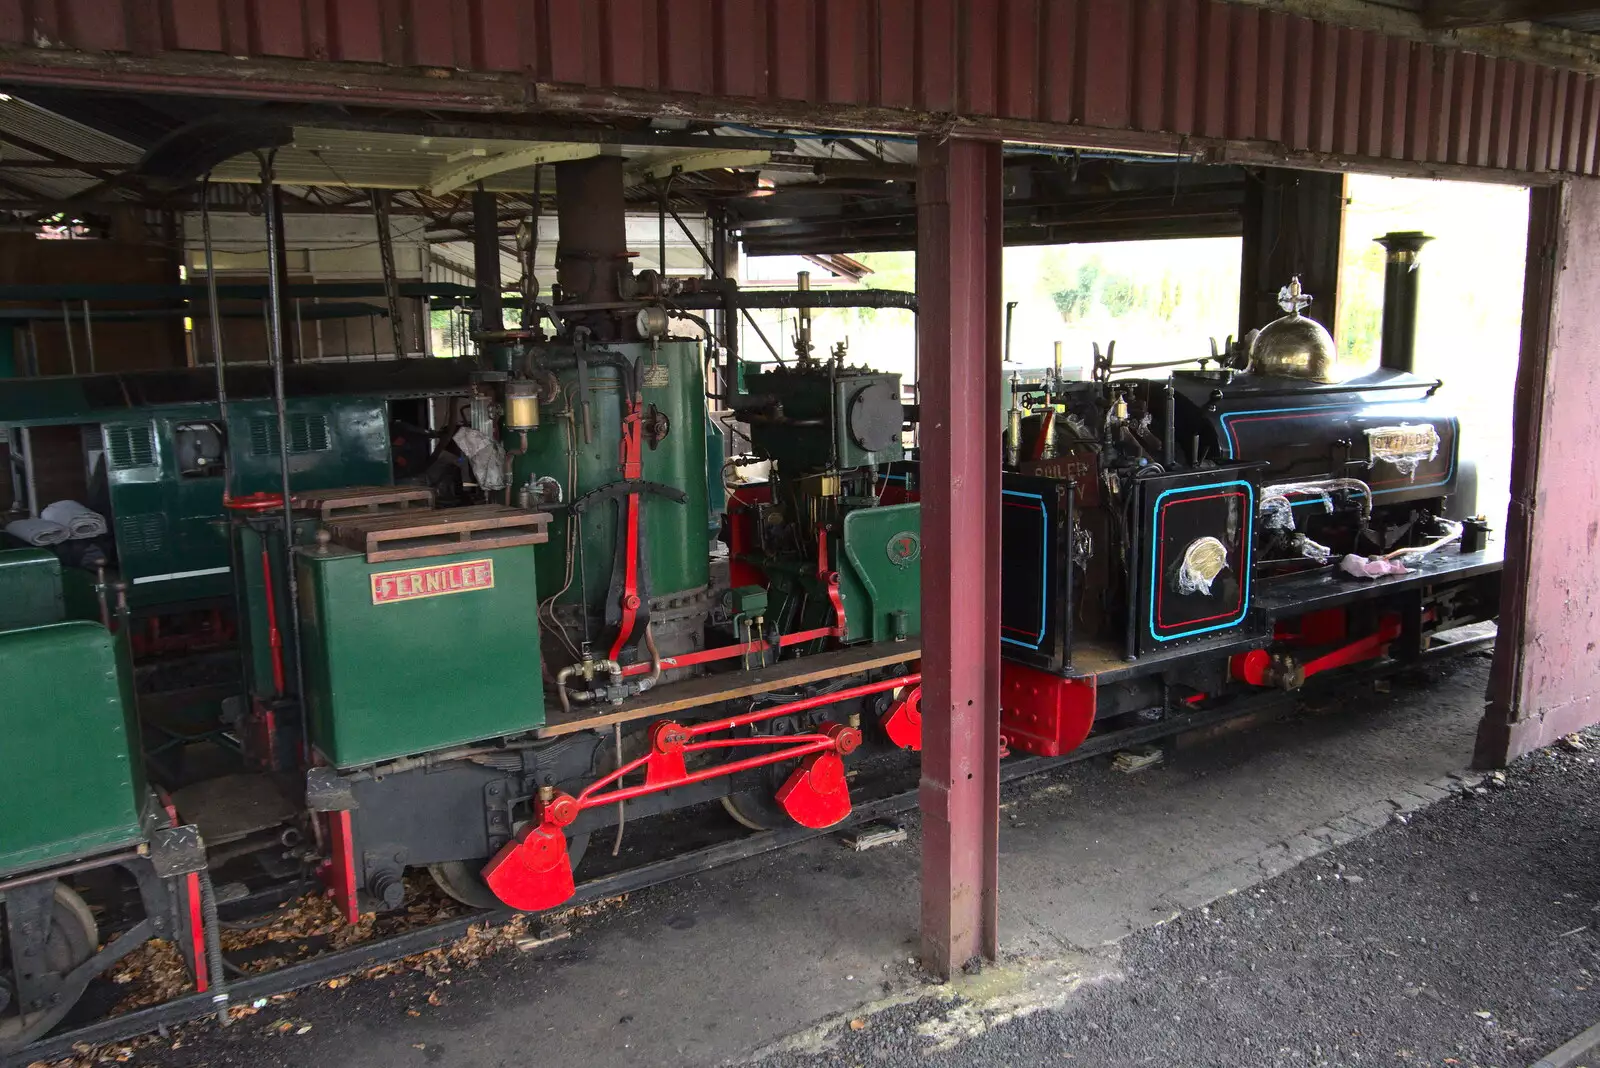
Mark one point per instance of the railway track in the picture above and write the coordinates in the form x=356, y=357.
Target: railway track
x=354, y=959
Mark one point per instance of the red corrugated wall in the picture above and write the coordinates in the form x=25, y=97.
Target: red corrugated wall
x=1202, y=68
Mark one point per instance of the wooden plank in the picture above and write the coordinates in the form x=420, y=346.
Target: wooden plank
x=347, y=501
x=466, y=542
x=694, y=693
x=441, y=519
x=415, y=533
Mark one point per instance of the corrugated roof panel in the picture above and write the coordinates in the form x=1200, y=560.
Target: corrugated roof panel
x=61, y=135
x=1163, y=68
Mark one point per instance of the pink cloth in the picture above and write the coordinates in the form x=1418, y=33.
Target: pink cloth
x=1375, y=567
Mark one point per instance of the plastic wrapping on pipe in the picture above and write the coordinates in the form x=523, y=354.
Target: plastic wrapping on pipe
x=487, y=457
x=1276, y=513
x=1274, y=499
x=1406, y=446
x=1311, y=550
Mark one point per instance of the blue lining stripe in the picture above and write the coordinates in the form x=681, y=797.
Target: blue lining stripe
x=1249, y=536
x=1233, y=448
x=1044, y=569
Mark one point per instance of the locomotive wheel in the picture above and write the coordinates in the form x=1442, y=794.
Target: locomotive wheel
x=756, y=810
x=74, y=936
x=461, y=879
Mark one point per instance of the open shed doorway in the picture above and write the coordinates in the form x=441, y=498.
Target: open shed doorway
x=1469, y=316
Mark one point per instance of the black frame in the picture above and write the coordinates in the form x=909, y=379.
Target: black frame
x=1051, y=576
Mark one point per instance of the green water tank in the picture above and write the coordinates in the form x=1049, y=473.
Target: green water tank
x=405, y=657
x=30, y=588
x=69, y=787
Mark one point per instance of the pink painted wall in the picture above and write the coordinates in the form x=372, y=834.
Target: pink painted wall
x=1546, y=679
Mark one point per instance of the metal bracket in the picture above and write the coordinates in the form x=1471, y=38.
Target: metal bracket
x=28, y=913
x=328, y=791
x=497, y=812
x=177, y=851
x=626, y=487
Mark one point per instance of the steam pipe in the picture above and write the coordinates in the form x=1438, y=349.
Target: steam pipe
x=275, y=254
x=1400, y=292
x=214, y=309
x=801, y=298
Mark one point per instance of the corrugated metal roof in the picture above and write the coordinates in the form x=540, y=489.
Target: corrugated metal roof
x=29, y=132
x=1583, y=22
x=1204, y=70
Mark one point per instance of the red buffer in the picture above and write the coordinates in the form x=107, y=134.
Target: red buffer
x=903, y=722
x=1044, y=714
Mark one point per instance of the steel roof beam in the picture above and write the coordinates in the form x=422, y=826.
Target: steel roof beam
x=643, y=170
x=476, y=167
x=1453, y=14
x=1460, y=13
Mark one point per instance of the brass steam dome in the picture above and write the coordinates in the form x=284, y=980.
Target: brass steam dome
x=1295, y=346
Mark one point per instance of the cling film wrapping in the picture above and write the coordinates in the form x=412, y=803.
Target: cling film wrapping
x=1407, y=446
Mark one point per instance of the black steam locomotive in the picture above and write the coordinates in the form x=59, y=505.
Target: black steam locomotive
x=1251, y=523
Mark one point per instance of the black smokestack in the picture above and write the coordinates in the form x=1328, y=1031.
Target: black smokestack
x=592, y=252
x=1400, y=292
x=486, y=265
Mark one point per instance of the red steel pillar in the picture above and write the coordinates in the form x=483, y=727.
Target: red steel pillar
x=1545, y=681
x=959, y=228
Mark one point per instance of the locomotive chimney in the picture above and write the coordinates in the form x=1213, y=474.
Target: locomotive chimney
x=486, y=265
x=592, y=252
x=1401, y=250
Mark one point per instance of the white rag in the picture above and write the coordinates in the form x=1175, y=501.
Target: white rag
x=488, y=459
x=1376, y=567
x=80, y=522
x=39, y=532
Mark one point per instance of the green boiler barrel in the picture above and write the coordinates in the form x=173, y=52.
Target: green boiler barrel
x=581, y=449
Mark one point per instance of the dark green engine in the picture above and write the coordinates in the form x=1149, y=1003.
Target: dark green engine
x=838, y=514
x=815, y=416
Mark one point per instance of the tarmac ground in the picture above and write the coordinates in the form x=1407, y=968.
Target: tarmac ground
x=1328, y=888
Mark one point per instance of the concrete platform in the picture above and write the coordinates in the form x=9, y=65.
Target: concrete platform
x=753, y=958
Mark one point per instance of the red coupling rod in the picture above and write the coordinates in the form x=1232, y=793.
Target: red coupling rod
x=850, y=693
x=727, y=652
